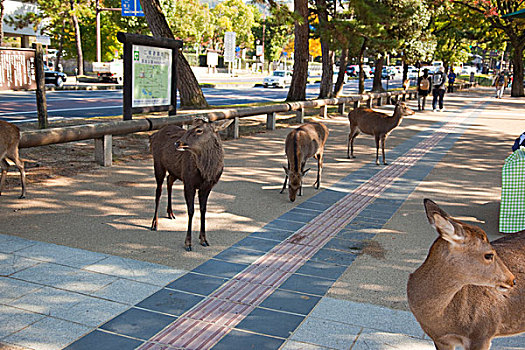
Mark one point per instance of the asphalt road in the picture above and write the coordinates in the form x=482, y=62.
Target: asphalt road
x=20, y=106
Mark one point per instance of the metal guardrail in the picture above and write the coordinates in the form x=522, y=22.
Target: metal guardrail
x=102, y=132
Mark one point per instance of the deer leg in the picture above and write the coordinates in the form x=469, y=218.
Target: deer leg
x=3, y=174
x=377, y=149
x=189, y=195
x=203, y=201
x=351, y=137
x=383, y=139
x=160, y=172
x=171, y=180
x=319, y=170
x=20, y=165
x=481, y=344
x=284, y=184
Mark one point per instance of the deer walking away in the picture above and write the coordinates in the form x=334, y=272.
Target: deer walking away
x=9, y=140
x=374, y=123
x=468, y=291
x=306, y=141
x=194, y=156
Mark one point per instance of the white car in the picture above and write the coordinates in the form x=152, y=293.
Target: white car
x=279, y=78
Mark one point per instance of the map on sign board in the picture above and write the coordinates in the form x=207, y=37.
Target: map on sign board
x=151, y=76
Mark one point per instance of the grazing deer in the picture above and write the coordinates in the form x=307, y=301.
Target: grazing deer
x=468, y=290
x=194, y=156
x=374, y=123
x=306, y=141
x=9, y=140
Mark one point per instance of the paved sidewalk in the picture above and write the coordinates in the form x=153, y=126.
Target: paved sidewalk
x=79, y=268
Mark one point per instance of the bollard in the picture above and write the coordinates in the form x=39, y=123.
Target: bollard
x=299, y=115
x=356, y=104
x=379, y=101
x=341, y=109
x=232, y=132
x=322, y=111
x=103, y=150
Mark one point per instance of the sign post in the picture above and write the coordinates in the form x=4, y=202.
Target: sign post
x=150, y=79
x=229, y=49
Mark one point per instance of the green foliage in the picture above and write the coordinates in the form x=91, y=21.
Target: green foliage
x=278, y=30
x=189, y=20
x=234, y=16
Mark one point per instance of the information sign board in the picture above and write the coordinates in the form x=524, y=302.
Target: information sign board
x=229, y=47
x=151, y=76
x=17, y=69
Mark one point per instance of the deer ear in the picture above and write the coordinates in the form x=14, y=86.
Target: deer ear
x=221, y=124
x=449, y=230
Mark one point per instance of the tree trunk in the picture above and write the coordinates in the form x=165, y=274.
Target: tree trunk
x=297, y=90
x=190, y=92
x=360, y=62
x=405, y=71
x=1, y=21
x=517, y=72
x=343, y=61
x=78, y=39
x=327, y=77
x=377, y=85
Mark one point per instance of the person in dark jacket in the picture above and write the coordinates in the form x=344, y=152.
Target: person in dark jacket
x=423, y=89
x=439, y=86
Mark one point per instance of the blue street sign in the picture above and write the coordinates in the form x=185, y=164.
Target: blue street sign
x=132, y=8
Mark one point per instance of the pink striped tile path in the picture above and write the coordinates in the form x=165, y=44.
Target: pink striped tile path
x=211, y=319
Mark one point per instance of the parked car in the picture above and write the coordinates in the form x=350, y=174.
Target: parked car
x=53, y=77
x=279, y=78
x=353, y=70
x=387, y=73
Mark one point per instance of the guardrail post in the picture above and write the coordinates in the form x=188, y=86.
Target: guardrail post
x=322, y=111
x=103, y=150
x=232, y=132
x=380, y=101
x=341, y=109
x=404, y=97
x=299, y=114
x=356, y=104
x=270, y=121
x=369, y=102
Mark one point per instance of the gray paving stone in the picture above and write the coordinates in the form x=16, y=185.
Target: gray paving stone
x=48, y=301
x=10, y=244
x=516, y=342
x=12, y=320
x=369, y=316
x=326, y=333
x=139, y=271
x=127, y=291
x=12, y=263
x=93, y=312
x=65, y=277
x=48, y=334
x=376, y=340
x=11, y=289
x=295, y=345
x=61, y=254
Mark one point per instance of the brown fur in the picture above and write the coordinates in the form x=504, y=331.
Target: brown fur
x=196, y=158
x=304, y=142
x=9, y=140
x=374, y=123
x=459, y=296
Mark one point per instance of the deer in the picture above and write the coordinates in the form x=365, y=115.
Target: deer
x=194, y=156
x=374, y=123
x=468, y=290
x=9, y=141
x=302, y=143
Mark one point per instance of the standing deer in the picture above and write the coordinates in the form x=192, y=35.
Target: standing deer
x=374, y=123
x=194, y=156
x=468, y=290
x=9, y=140
x=306, y=141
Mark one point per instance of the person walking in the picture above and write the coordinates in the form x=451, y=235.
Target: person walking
x=500, y=81
x=423, y=89
x=451, y=80
x=439, y=85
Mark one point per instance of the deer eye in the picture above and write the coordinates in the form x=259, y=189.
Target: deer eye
x=489, y=256
x=199, y=131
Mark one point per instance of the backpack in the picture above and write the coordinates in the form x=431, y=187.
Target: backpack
x=501, y=79
x=437, y=79
x=424, y=84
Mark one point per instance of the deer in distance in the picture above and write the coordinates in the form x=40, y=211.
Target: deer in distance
x=374, y=123
x=194, y=156
x=304, y=142
x=468, y=291
x=9, y=140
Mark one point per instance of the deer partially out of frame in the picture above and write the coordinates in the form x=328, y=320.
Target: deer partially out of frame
x=374, y=123
x=468, y=291
x=304, y=142
x=9, y=140
x=194, y=156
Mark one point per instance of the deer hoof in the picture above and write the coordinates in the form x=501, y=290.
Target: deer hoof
x=205, y=244
x=188, y=248
x=154, y=227
x=171, y=216
x=22, y=197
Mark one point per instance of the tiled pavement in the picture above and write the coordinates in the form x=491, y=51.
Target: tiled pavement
x=265, y=292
